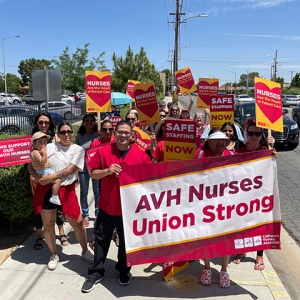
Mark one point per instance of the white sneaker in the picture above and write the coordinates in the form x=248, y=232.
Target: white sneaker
x=55, y=200
x=52, y=264
x=88, y=256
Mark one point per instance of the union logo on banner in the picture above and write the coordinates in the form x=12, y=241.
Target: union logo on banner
x=98, y=91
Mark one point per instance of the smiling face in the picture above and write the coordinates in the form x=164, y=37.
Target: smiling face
x=65, y=134
x=123, y=136
x=43, y=124
x=107, y=131
x=88, y=123
x=174, y=111
x=254, y=135
x=217, y=146
x=131, y=118
x=199, y=119
x=228, y=131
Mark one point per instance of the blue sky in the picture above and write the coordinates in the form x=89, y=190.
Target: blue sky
x=237, y=36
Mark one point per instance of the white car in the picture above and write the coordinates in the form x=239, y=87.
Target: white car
x=64, y=109
x=288, y=100
x=12, y=99
x=67, y=99
x=243, y=98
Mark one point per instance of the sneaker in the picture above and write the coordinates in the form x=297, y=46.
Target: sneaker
x=206, y=277
x=88, y=256
x=52, y=264
x=86, y=222
x=224, y=280
x=55, y=200
x=91, y=281
x=124, y=279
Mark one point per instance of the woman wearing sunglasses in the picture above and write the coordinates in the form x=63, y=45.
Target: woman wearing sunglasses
x=87, y=133
x=66, y=159
x=254, y=137
x=132, y=118
x=174, y=112
x=43, y=122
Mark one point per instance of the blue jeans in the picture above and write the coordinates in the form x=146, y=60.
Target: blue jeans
x=84, y=179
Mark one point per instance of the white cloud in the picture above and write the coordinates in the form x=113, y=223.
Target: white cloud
x=283, y=37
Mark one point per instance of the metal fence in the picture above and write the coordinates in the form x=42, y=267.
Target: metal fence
x=19, y=119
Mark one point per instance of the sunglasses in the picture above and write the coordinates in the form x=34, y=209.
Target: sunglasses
x=66, y=132
x=107, y=129
x=174, y=109
x=252, y=133
x=130, y=119
x=43, y=122
x=123, y=132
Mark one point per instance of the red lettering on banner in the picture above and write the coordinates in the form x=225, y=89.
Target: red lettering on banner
x=221, y=117
x=179, y=149
x=222, y=212
x=155, y=226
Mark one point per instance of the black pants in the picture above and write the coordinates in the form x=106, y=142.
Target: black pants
x=105, y=225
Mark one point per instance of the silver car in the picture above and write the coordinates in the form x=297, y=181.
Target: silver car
x=64, y=109
x=288, y=100
x=12, y=99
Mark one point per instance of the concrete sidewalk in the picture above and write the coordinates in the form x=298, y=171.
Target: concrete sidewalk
x=25, y=276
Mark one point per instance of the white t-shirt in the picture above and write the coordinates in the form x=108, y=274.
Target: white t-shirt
x=60, y=157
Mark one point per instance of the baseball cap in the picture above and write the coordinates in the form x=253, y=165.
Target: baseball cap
x=170, y=104
x=39, y=135
x=185, y=110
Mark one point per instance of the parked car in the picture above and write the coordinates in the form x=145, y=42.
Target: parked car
x=56, y=118
x=290, y=134
x=67, y=99
x=243, y=98
x=296, y=114
x=15, y=118
x=64, y=109
x=288, y=100
x=12, y=99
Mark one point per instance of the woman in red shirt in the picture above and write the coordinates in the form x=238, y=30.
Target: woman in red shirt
x=254, y=136
x=215, y=145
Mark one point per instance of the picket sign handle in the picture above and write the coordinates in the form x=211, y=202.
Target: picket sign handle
x=98, y=118
x=269, y=134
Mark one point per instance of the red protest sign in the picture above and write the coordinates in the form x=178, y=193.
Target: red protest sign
x=268, y=104
x=98, y=91
x=207, y=88
x=180, y=139
x=129, y=88
x=115, y=119
x=185, y=81
x=15, y=151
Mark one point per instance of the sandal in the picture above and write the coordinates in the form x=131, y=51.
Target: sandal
x=38, y=244
x=259, y=266
x=116, y=238
x=92, y=244
x=238, y=258
x=63, y=240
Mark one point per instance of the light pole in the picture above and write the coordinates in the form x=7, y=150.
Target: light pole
x=5, y=84
x=234, y=78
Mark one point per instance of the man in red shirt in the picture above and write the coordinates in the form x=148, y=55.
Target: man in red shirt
x=106, y=165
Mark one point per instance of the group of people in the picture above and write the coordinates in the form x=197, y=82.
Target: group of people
x=58, y=164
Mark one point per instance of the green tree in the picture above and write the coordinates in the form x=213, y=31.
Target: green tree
x=73, y=67
x=296, y=81
x=279, y=80
x=134, y=67
x=26, y=67
x=251, y=76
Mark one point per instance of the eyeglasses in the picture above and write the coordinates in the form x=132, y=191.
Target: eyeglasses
x=162, y=105
x=174, y=109
x=43, y=122
x=252, y=133
x=107, y=129
x=65, y=132
x=130, y=119
x=123, y=132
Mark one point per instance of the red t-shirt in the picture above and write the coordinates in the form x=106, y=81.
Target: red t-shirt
x=110, y=200
x=98, y=142
x=245, y=149
x=208, y=153
x=158, y=153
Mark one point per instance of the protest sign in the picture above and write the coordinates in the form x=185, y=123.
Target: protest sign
x=146, y=103
x=142, y=139
x=15, y=151
x=129, y=88
x=179, y=139
x=185, y=81
x=192, y=209
x=268, y=104
x=98, y=91
x=221, y=110
x=115, y=119
x=207, y=88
